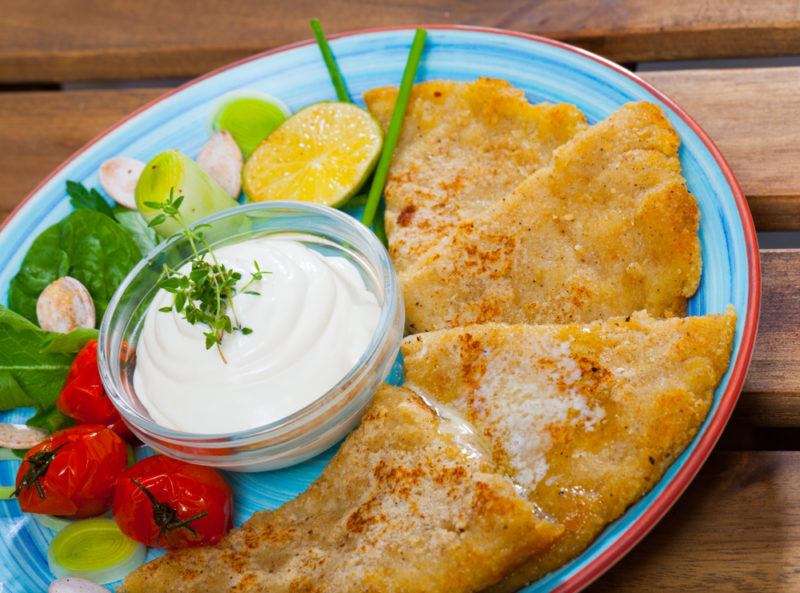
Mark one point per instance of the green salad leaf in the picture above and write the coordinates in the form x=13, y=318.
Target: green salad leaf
x=86, y=245
x=12, y=395
x=33, y=368
x=28, y=376
x=90, y=199
x=70, y=343
x=50, y=419
x=131, y=220
x=145, y=237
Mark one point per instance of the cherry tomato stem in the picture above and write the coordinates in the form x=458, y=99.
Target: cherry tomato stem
x=72, y=473
x=167, y=503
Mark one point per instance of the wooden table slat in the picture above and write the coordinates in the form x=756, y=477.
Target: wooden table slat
x=772, y=388
x=737, y=528
x=760, y=143
x=758, y=138
x=40, y=130
x=53, y=40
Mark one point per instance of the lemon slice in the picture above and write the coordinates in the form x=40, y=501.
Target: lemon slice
x=321, y=154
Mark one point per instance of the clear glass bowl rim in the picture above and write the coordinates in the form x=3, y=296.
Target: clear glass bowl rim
x=387, y=275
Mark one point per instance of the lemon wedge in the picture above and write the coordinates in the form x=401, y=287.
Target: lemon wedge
x=321, y=154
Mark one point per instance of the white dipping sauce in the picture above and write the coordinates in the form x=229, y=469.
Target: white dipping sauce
x=311, y=322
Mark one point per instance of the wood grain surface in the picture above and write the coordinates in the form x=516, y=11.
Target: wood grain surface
x=753, y=115
x=56, y=40
x=772, y=389
x=39, y=130
x=737, y=529
x=761, y=144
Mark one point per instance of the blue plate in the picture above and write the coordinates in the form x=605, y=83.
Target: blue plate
x=547, y=71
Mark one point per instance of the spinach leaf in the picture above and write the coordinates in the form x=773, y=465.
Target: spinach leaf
x=133, y=222
x=90, y=199
x=87, y=246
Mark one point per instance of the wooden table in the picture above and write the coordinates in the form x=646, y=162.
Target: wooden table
x=737, y=528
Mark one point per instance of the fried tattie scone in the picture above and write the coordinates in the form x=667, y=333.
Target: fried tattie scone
x=464, y=145
x=586, y=418
x=402, y=507
x=607, y=229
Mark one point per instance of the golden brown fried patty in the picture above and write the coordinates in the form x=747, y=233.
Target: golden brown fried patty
x=586, y=418
x=464, y=145
x=607, y=229
x=400, y=508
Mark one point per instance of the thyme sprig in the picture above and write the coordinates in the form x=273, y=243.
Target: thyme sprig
x=205, y=294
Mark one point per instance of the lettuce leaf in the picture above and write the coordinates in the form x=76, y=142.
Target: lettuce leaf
x=32, y=369
x=68, y=343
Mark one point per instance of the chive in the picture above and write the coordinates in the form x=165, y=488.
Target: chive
x=380, y=225
x=330, y=62
x=396, y=124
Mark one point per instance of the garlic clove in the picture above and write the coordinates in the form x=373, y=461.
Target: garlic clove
x=118, y=176
x=64, y=305
x=222, y=158
x=75, y=585
x=19, y=436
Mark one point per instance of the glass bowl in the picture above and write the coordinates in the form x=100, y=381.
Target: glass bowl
x=304, y=433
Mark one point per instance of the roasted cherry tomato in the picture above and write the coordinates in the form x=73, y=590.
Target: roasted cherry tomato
x=72, y=473
x=166, y=503
x=83, y=398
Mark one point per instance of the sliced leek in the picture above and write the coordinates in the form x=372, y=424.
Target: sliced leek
x=173, y=171
x=96, y=550
x=250, y=119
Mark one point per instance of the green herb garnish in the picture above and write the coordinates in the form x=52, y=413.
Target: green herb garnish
x=330, y=62
x=395, y=125
x=205, y=294
x=88, y=199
